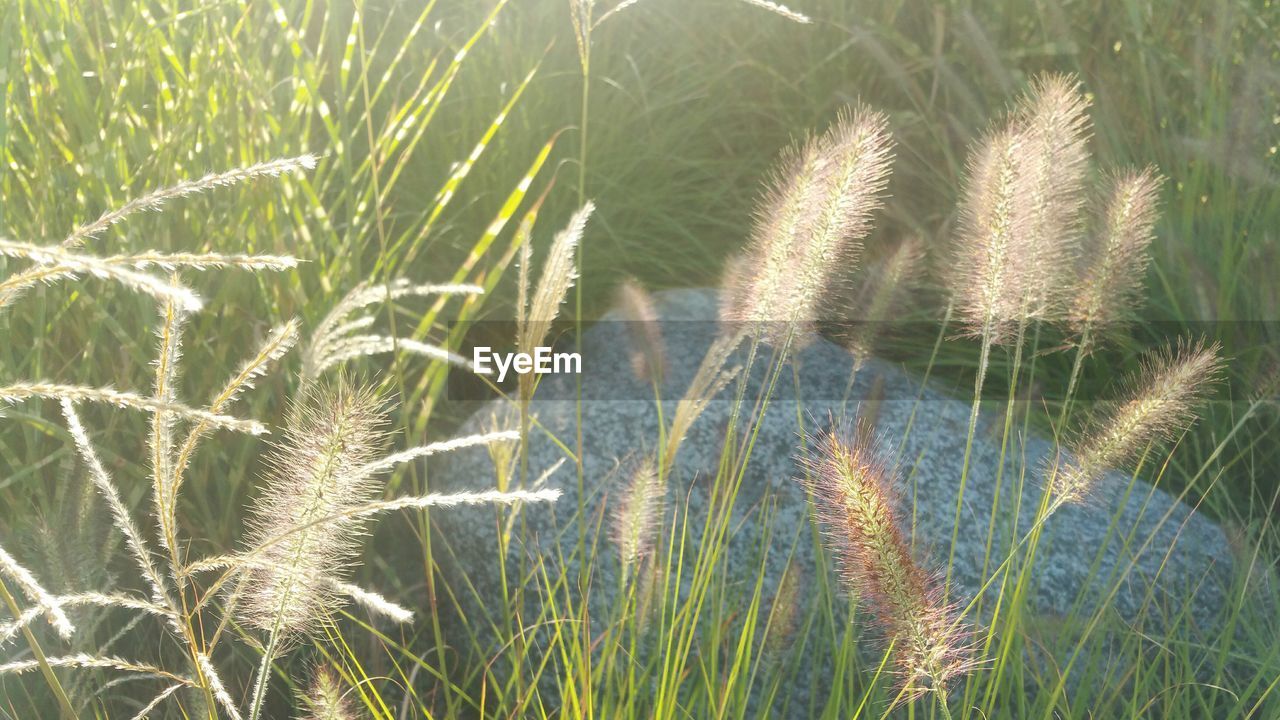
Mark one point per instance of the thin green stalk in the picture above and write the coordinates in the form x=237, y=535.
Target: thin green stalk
x=584, y=57
x=983, y=358
x=999, y=484
x=1082, y=350
x=64, y=703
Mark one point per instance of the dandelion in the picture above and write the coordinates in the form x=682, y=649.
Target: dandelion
x=1161, y=403
x=854, y=494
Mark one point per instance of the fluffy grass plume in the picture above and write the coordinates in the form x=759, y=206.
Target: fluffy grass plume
x=1110, y=284
x=325, y=698
x=711, y=377
x=809, y=225
x=984, y=271
x=59, y=263
x=134, y=401
x=638, y=513
x=315, y=473
x=559, y=272
x=854, y=494
x=1053, y=165
x=342, y=335
x=877, y=298
x=12, y=569
x=1021, y=211
x=1160, y=404
x=156, y=199
x=648, y=353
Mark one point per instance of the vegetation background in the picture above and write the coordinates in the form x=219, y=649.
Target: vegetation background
x=689, y=104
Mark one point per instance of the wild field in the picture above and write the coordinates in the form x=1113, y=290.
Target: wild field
x=930, y=358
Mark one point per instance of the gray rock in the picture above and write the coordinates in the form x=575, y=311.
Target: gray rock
x=1136, y=539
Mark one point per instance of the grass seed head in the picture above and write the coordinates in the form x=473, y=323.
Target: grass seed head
x=809, y=226
x=854, y=498
x=316, y=472
x=648, y=353
x=1160, y=404
x=1110, y=284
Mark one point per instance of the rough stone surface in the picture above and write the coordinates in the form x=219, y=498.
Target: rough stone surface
x=1170, y=548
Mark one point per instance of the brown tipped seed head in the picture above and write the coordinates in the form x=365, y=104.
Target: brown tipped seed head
x=648, y=353
x=316, y=473
x=810, y=225
x=1052, y=166
x=1160, y=404
x=854, y=496
x=638, y=514
x=1110, y=284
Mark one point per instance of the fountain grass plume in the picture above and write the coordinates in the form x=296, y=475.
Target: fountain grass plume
x=637, y=516
x=110, y=396
x=11, y=568
x=855, y=494
x=1110, y=284
x=157, y=199
x=1053, y=164
x=1160, y=403
x=809, y=226
x=331, y=434
x=985, y=274
x=877, y=298
x=559, y=272
x=339, y=337
x=324, y=698
x=648, y=354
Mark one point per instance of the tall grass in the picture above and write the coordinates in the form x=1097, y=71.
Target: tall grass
x=137, y=141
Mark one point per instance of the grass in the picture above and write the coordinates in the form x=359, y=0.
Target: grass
x=688, y=103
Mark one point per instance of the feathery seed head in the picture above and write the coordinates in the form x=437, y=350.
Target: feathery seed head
x=648, y=356
x=1021, y=213
x=1111, y=283
x=1161, y=404
x=854, y=497
x=638, y=515
x=1054, y=123
x=985, y=273
x=558, y=275
x=784, y=613
x=810, y=225
x=881, y=289
x=317, y=472
x=326, y=699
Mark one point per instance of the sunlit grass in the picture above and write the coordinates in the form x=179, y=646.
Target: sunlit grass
x=440, y=126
